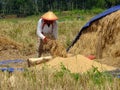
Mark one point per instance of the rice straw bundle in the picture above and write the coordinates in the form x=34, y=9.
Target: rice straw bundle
x=55, y=48
x=102, y=38
x=6, y=43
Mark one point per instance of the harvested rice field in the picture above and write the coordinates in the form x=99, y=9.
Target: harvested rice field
x=18, y=41
x=85, y=65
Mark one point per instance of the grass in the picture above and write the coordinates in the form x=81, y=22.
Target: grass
x=63, y=79
x=23, y=31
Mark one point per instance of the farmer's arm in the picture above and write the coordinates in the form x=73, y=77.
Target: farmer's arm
x=55, y=30
x=39, y=29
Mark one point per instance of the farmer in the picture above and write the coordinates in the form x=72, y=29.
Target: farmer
x=47, y=29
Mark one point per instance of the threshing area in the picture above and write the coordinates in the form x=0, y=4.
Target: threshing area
x=101, y=40
x=75, y=63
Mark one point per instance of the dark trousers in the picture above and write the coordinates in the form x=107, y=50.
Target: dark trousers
x=40, y=47
x=41, y=44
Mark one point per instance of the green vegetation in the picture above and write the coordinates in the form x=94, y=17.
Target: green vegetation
x=23, y=8
x=63, y=79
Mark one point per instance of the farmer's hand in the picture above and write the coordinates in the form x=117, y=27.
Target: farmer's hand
x=45, y=40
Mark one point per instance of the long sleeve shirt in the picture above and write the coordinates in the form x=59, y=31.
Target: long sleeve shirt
x=48, y=30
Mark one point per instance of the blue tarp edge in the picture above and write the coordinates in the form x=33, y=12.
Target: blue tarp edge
x=11, y=61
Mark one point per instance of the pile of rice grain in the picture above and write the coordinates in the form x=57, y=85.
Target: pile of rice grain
x=55, y=48
x=102, y=38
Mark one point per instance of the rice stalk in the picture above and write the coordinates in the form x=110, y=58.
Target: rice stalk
x=55, y=48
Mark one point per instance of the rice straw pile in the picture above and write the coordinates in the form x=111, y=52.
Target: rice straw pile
x=6, y=43
x=102, y=38
x=55, y=48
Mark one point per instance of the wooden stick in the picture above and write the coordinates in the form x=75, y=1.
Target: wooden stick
x=36, y=61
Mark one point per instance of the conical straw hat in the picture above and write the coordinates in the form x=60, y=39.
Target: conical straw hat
x=49, y=16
